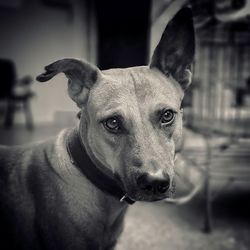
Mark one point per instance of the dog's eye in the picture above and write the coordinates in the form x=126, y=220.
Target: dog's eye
x=112, y=124
x=167, y=117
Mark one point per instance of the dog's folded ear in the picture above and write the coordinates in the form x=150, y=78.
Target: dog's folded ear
x=81, y=75
x=175, y=52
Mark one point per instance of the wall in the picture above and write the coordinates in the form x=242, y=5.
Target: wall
x=34, y=35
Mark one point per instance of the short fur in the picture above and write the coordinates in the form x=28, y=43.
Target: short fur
x=45, y=200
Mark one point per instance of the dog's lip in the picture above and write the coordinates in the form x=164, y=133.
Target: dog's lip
x=148, y=198
x=138, y=195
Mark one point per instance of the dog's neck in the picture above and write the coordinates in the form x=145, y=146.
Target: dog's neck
x=93, y=170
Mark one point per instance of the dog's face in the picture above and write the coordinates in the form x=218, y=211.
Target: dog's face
x=131, y=118
x=133, y=121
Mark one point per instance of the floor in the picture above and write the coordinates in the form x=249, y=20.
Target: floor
x=160, y=226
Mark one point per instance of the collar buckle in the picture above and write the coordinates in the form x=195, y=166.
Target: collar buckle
x=127, y=199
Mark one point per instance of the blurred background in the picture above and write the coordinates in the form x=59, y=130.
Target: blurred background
x=212, y=167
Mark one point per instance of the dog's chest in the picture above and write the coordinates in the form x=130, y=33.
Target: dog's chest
x=113, y=225
x=79, y=219
x=98, y=225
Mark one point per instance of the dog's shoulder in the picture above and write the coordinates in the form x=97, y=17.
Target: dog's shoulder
x=20, y=156
x=10, y=158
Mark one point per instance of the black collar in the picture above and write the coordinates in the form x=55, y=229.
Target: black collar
x=80, y=159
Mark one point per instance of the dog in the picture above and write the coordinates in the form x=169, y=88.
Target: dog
x=72, y=192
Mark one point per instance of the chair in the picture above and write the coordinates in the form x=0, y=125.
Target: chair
x=16, y=93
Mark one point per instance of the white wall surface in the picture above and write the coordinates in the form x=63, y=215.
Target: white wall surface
x=34, y=35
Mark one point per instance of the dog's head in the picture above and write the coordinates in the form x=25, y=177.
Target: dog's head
x=131, y=119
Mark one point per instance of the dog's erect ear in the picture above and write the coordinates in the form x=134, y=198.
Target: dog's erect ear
x=81, y=75
x=175, y=52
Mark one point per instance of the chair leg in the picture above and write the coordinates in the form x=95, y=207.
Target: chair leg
x=208, y=206
x=208, y=192
x=28, y=115
x=9, y=117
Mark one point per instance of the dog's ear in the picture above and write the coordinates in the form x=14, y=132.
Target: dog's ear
x=81, y=75
x=175, y=52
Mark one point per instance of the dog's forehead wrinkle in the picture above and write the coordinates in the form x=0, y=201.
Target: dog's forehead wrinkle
x=154, y=89
x=137, y=91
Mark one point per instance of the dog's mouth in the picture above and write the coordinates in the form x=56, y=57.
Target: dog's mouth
x=135, y=194
x=147, y=198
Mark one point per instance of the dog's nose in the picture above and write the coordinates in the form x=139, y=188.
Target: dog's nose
x=154, y=184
